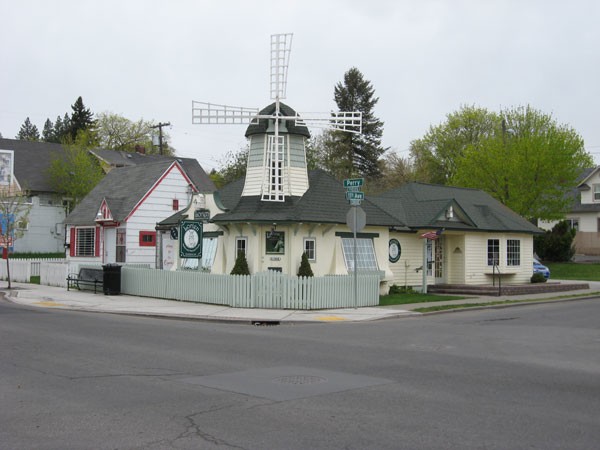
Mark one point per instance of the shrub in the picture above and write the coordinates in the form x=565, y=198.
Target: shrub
x=556, y=245
x=305, y=269
x=538, y=278
x=395, y=289
x=241, y=265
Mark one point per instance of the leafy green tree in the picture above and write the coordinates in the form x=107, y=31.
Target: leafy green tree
x=81, y=118
x=28, y=132
x=233, y=166
x=395, y=171
x=435, y=156
x=116, y=132
x=349, y=154
x=528, y=162
x=77, y=172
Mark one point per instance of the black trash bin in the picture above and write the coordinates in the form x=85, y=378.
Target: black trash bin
x=111, y=279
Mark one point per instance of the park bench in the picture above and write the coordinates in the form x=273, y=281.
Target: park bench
x=86, y=277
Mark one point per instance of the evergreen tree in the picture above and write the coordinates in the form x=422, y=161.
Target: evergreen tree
x=305, y=270
x=61, y=128
x=28, y=132
x=358, y=154
x=48, y=132
x=241, y=265
x=81, y=118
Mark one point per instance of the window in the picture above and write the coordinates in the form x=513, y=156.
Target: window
x=365, y=254
x=596, y=192
x=573, y=224
x=121, y=248
x=175, y=204
x=513, y=252
x=147, y=238
x=275, y=242
x=493, y=252
x=209, y=250
x=241, y=245
x=310, y=248
x=85, y=239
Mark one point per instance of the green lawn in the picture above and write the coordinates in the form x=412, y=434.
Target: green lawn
x=414, y=297
x=574, y=271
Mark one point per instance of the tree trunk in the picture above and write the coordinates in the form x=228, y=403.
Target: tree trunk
x=8, y=270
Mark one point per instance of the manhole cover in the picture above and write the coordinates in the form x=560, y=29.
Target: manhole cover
x=299, y=379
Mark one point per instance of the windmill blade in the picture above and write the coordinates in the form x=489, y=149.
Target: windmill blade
x=349, y=121
x=281, y=45
x=210, y=113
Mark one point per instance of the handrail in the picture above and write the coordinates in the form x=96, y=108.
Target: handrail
x=494, y=268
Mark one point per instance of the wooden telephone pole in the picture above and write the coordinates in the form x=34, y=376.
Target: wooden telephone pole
x=160, y=135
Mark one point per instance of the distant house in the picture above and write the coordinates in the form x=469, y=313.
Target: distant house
x=28, y=163
x=584, y=215
x=115, y=222
x=280, y=210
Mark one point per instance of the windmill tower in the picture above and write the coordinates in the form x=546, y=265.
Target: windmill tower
x=277, y=165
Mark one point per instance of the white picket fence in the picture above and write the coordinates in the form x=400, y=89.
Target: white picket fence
x=21, y=270
x=264, y=290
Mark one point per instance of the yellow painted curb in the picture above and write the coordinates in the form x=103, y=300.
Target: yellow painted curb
x=329, y=318
x=49, y=303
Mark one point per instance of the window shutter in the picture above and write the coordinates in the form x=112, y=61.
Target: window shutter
x=97, y=251
x=72, y=244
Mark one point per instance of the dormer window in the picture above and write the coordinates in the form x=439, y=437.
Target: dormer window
x=596, y=192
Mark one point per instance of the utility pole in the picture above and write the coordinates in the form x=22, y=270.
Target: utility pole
x=160, y=135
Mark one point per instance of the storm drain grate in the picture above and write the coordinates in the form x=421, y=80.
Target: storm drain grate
x=299, y=379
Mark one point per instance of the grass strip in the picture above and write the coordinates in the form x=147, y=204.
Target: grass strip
x=499, y=302
x=414, y=297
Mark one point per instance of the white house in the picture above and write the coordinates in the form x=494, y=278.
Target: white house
x=115, y=222
x=26, y=164
x=584, y=215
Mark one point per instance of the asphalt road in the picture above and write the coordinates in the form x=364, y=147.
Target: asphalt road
x=526, y=377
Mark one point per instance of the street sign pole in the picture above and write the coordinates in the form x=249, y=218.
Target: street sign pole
x=355, y=208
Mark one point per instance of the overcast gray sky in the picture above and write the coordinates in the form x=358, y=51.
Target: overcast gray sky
x=150, y=59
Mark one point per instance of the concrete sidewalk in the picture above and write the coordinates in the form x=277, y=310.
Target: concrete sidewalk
x=59, y=298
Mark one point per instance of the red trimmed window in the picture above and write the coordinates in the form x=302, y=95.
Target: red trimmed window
x=175, y=204
x=147, y=238
x=84, y=241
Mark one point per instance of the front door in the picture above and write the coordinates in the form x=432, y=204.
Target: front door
x=110, y=240
x=438, y=264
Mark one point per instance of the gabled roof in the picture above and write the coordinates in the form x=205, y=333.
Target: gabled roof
x=122, y=188
x=420, y=205
x=32, y=160
x=263, y=124
x=192, y=168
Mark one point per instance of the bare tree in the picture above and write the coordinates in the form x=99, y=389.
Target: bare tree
x=14, y=216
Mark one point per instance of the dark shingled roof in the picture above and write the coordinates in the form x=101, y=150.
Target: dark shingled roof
x=323, y=202
x=122, y=187
x=263, y=124
x=32, y=160
x=192, y=168
x=418, y=205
